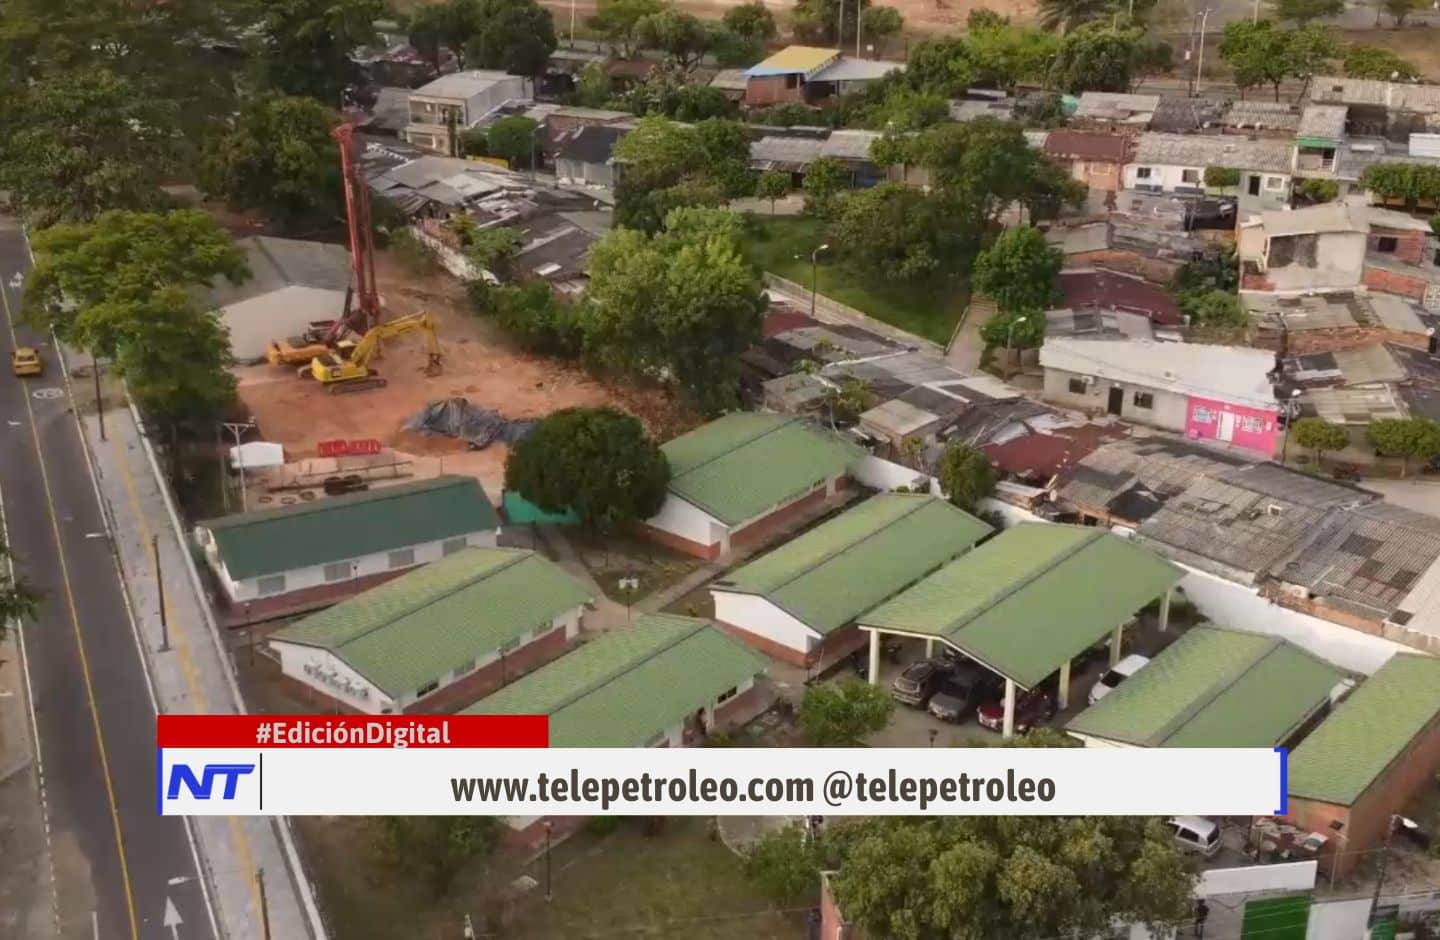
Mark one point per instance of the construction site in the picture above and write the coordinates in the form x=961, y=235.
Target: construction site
x=338, y=399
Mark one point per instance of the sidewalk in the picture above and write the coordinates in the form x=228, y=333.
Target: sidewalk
x=27, y=890
x=192, y=676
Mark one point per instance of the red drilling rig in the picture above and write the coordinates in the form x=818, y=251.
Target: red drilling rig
x=364, y=313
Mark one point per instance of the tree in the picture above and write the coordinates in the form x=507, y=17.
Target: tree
x=843, y=714
x=593, y=87
x=1215, y=270
x=1411, y=183
x=1213, y=308
x=825, y=179
x=966, y=475
x=532, y=315
x=1320, y=435
x=617, y=21
x=437, y=847
x=19, y=600
x=1405, y=438
x=279, y=157
x=77, y=144
x=1305, y=12
x=1099, y=57
x=1363, y=61
x=515, y=36
x=1311, y=51
x=786, y=863
x=1004, y=54
x=773, y=185
x=945, y=66
x=1399, y=10
x=1258, y=54
x=880, y=24
x=893, y=231
x=1317, y=190
x=428, y=30
x=1221, y=177
x=92, y=281
x=1018, y=270
x=1065, y=15
x=491, y=248
x=306, y=44
x=513, y=139
x=894, y=105
x=751, y=21
x=1020, y=329
x=937, y=879
x=598, y=462
x=681, y=36
x=665, y=165
x=817, y=21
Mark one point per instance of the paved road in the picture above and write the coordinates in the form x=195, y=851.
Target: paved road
x=117, y=860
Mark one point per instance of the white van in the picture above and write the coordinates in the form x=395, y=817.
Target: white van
x=1117, y=674
x=1195, y=834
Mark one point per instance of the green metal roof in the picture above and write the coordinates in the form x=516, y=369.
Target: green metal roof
x=628, y=685
x=740, y=466
x=1214, y=688
x=1031, y=598
x=273, y=541
x=837, y=571
x=421, y=626
x=1370, y=729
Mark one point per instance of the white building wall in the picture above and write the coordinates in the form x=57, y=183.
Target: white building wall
x=1167, y=412
x=763, y=618
x=326, y=673
x=254, y=322
x=686, y=520
x=880, y=474
x=1339, y=264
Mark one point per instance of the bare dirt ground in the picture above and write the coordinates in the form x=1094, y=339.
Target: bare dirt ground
x=480, y=365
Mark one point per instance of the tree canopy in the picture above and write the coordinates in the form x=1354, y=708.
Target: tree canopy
x=307, y=44
x=435, y=847
x=1259, y=53
x=1305, y=12
x=1406, y=438
x=617, y=21
x=515, y=36
x=1100, y=57
x=1411, y=183
x=668, y=165
x=751, y=20
x=843, y=714
x=1320, y=435
x=966, y=475
x=893, y=231
x=512, y=138
x=681, y=36
x=1018, y=270
x=1363, y=61
x=19, y=600
x=598, y=462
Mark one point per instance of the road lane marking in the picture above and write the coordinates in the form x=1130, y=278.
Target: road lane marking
x=79, y=642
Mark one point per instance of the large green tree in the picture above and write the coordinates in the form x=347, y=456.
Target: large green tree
x=516, y=36
x=1258, y=54
x=681, y=36
x=1362, y=61
x=664, y=165
x=305, y=45
x=1320, y=435
x=598, y=462
x=1305, y=12
x=1406, y=438
x=1399, y=10
x=894, y=231
x=1101, y=57
x=843, y=714
x=966, y=475
x=74, y=145
x=281, y=157
x=514, y=139
x=1018, y=270
x=1004, y=54
x=617, y=22
x=751, y=20
x=435, y=847
x=1066, y=15
x=19, y=600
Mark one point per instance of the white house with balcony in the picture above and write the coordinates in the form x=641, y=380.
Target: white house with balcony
x=452, y=103
x=1176, y=163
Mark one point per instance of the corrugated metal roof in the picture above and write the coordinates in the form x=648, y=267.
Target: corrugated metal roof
x=849, y=145
x=626, y=687
x=1323, y=122
x=834, y=573
x=785, y=152
x=1214, y=688
x=1032, y=598
x=792, y=60
x=276, y=263
x=425, y=624
x=1236, y=374
x=847, y=69
x=464, y=84
x=1401, y=96
x=1339, y=761
x=274, y=541
x=1110, y=106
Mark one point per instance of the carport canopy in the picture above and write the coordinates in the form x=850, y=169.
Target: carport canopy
x=1031, y=599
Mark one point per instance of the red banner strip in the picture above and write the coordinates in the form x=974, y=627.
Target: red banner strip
x=267, y=731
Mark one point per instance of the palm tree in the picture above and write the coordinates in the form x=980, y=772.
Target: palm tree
x=1065, y=15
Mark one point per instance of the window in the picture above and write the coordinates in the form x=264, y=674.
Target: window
x=271, y=584
x=726, y=695
x=1274, y=182
x=403, y=558
x=1077, y=387
x=1142, y=172
x=509, y=646
x=1386, y=244
x=1253, y=425
x=467, y=666
x=451, y=546
x=427, y=688
x=792, y=81
x=337, y=571
x=1190, y=176
x=1144, y=400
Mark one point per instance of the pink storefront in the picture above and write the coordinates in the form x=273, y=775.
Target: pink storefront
x=1256, y=429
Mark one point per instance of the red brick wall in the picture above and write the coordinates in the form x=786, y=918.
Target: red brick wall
x=1409, y=248
x=1250, y=281
x=771, y=90
x=829, y=651
x=780, y=518
x=1155, y=270
x=764, y=644
x=678, y=543
x=301, y=601
x=832, y=922
x=743, y=708
x=1392, y=282
x=488, y=678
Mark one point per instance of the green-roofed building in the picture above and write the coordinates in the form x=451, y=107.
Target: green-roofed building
x=1216, y=688
x=1365, y=762
x=737, y=476
x=1029, y=601
x=438, y=637
x=799, y=603
x=642, y=686
x=309, y=554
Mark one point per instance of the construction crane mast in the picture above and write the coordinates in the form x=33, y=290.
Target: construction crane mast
x=364, y=314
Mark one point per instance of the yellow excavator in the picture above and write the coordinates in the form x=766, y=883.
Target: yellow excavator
x=352, y=373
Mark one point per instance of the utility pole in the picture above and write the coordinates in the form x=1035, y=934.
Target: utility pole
x=99, y=402
x=238, y=429
x=264, y=906
x=815, y=273
x=1200, y=59
x=840, y=27
x=1384, y=863
x=859, y=9
x=548, y=827
x=160, y=589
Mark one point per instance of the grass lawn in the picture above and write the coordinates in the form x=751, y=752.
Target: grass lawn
x=925, y=310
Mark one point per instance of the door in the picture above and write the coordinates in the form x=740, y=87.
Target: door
x=1117, y=400
x=1227, y=426
x=1254, y=186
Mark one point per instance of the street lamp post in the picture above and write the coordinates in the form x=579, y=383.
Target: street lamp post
x=548, y=827
x=238, y=429
x=1291, y=408
x=1009, y=333
x=815, y=275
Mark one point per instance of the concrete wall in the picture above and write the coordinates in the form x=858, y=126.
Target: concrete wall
x=585, y=174
x=696, y=529
x=880, y=474
x=1168, y=410
x=1097, y=174
x=757, y=617
x=1339, y=260
x=282, y=313
x=1169, y=178
x=334, y=679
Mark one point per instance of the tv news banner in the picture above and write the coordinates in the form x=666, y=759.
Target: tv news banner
x=448, y=765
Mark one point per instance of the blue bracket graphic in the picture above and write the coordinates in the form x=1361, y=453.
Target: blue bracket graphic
x=1284, y=753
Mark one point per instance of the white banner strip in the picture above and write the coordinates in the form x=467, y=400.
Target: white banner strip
x=721, y=781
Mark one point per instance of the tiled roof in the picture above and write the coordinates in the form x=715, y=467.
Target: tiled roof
x=274, y=541
x=1105, y=289
x=423, y=625
x=1194, y=150
x=1324, y=121
x=837, y=571
x=1214, y=688
x=1400, y=96
x=742, y=465
x=1351, y=749
x=1031, y=598
x=625, y=687
x=1087, y=145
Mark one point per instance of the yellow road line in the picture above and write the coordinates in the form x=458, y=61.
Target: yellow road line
x=79, y=641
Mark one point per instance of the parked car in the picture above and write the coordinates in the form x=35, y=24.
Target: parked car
x=917, y=683
x=1031, y=708
x=1195, y=834
x=961, y=691
x=1117, y=674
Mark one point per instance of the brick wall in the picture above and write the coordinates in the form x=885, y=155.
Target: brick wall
x=1249, y=281
x=768, y=525
x=743, y=708
x=679, y=543
x=301, y=601
x=832, y=921
x=1155, y=270
x=1409, y=246
x=771, y=90
x=1393, y=282
x=488, y=678
x=764, y=644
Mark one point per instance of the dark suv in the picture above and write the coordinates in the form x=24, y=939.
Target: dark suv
x=918, y=682
x=959, y=693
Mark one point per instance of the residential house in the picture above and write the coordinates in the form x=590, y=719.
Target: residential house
x=453, y=103
x=745, y=476
x=1333, y=320
x=1176, y=163
x=431, y=187
x=799, y=603
x=1093, y=158
x=806, y=74
x=664, y=681
x=437, y=638
x=390, y=114
x=1319, y=136
x=274, y=562
x=1365, y=762
x=731, y=83
x=1179, y=114
x=1219, y=393
x=1102, y=290
x=1117, y=113
x=584, y=155
x=292, y=284
x=1380, y=109
x=793, y=151
x=1259, y=118
x=1216, y=688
